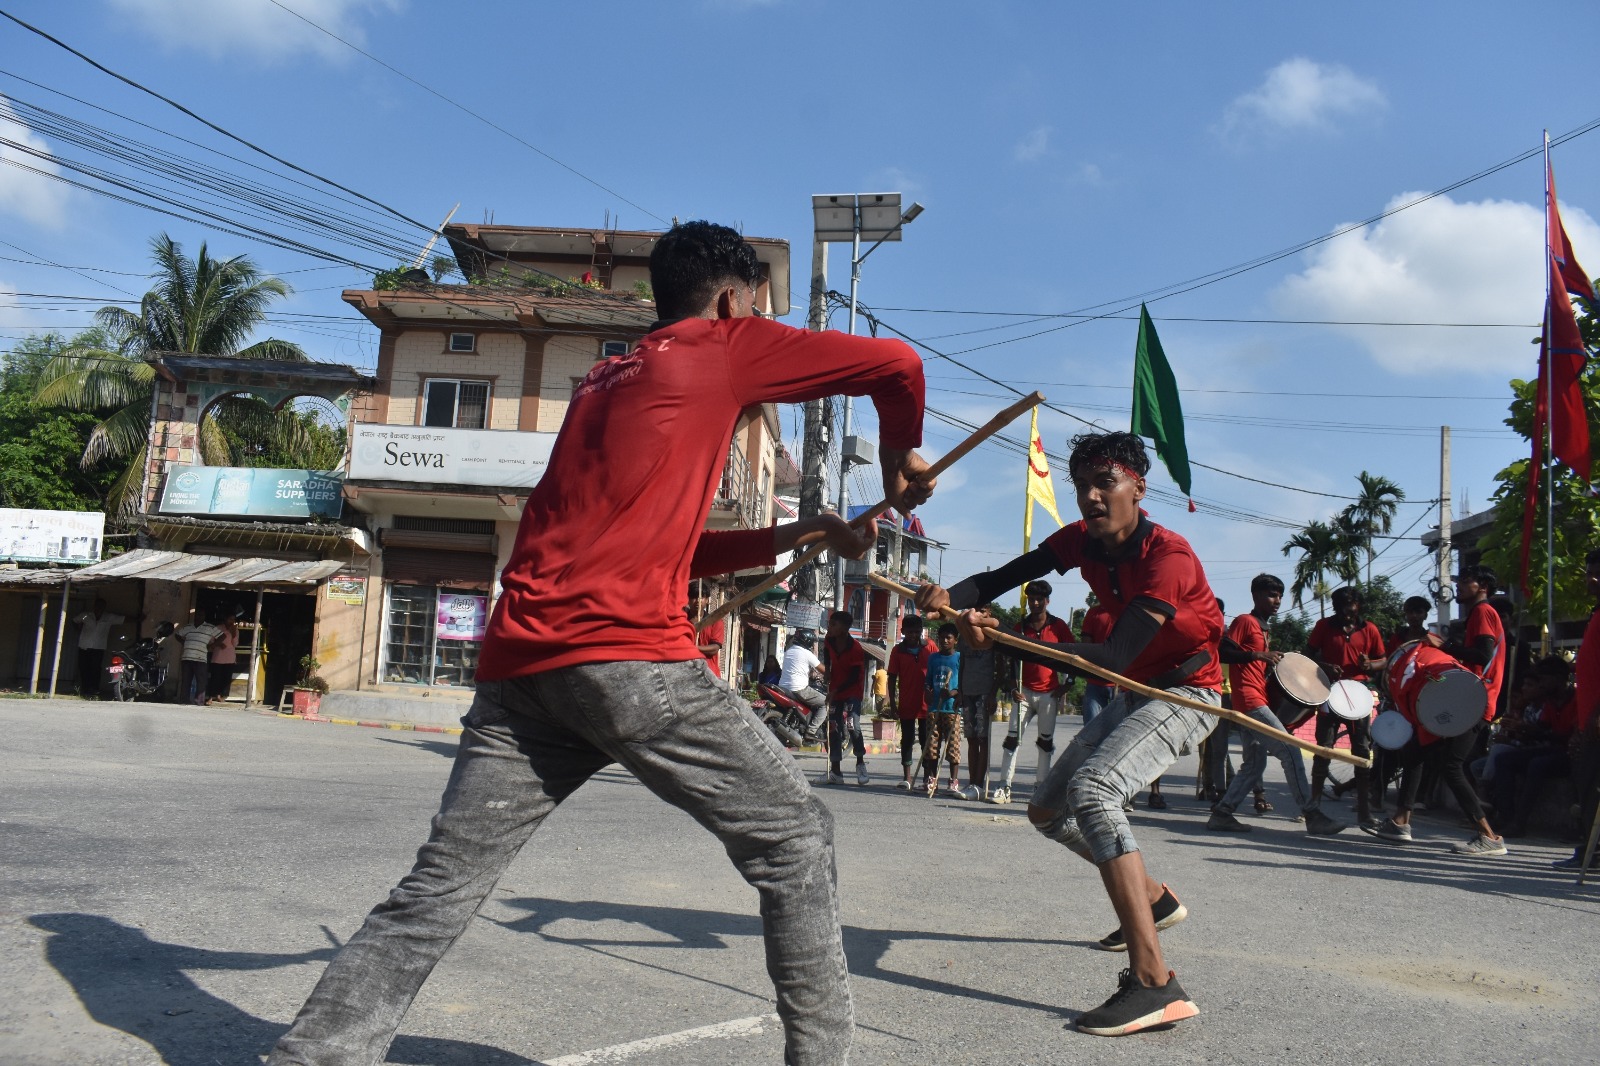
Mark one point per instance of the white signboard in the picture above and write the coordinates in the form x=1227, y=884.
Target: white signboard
x=51, y=536
x=494, y=458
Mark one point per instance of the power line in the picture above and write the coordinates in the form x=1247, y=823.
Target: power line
x=1042, y=316
x=1248, y=392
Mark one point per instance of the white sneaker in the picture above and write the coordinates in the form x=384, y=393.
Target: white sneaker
x=830, y=778
x=971, y=792
x=903, y=786
x=862, y=777
x=1000, y=795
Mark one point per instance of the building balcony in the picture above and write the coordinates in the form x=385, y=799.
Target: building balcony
x=738, y=503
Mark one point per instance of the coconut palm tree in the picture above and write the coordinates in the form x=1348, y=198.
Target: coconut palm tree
x=197, y=306
x=1373, y=512
x=1324, y=549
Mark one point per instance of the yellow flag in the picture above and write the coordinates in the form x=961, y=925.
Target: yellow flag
x=1039, y=487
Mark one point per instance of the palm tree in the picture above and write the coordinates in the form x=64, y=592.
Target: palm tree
x=1373, y=512
x=1324, y=548
x=198, y=306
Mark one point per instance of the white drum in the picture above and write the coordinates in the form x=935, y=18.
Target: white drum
x=1351, y=700
x=1391, y=731
x=1451, y=703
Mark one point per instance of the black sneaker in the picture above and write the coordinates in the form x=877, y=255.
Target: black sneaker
x=1224, y=822
x=1167, y=912
x=1134, y=1007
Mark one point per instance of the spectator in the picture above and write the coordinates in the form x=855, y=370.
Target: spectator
x=1585, y=747
x=800, y=668
x=1040, y=693
x=198, y=640
x=944, y=724
x=771, y=672
x=846, y=665
x=908, y=680
x=224, y=657
x=983, y=673
x=93, y=633
x=1533, y=748
x=712, y=637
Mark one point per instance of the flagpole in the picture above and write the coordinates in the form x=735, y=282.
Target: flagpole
x=1027, y=495
x=1548, y=371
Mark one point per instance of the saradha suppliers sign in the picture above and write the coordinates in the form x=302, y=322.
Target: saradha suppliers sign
x=51, y=536
x=494, y=458
x=252, y=492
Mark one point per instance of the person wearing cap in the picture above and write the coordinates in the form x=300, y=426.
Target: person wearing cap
x=1483, y=651
x=1039, y=694
x=1166, y=629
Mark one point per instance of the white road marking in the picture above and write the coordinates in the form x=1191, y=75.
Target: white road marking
x=620, y=1052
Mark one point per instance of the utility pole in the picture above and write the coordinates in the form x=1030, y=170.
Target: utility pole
x=819, y=429
x=1443, y=597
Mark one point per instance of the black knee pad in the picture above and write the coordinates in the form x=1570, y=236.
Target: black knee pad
x=1046, y=743
x=1010, y=744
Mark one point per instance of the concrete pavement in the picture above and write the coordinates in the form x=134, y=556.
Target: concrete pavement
x=173, y=879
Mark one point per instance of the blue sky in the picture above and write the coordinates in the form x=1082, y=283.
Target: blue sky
x=1069, y=157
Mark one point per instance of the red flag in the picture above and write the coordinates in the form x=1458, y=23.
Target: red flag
x=1563, y=357
x=1572, y=276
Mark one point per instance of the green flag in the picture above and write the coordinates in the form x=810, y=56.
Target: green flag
x=1157, y=414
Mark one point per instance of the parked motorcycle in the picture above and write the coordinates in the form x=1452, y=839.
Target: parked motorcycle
x=784, y=715
x=138, y=671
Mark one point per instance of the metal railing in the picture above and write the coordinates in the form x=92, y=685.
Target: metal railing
x=737, y=491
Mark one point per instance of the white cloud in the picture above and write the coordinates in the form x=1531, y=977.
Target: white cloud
x=1301, y=94
x=896, y=179
x=1440, y=261
x=220, y=28
x=1033, y=146
x=26, y=194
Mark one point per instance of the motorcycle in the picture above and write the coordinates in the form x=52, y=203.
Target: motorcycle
x=784, y=715
x=140, y=670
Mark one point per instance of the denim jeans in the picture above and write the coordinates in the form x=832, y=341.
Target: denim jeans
x=1257, y=749
x=1095, y=698
x=912, y=731
x=844, y=719
x=529, y=743
x=1133, y=742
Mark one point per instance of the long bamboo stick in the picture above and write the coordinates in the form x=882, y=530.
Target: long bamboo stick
x=1078, y=663
x=816, y=541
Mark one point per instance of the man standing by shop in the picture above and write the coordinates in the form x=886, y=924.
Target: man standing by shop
x=94, y=631
x=590, y=660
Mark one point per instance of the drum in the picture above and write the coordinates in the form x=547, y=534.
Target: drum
x=1401, y=654
x=1352, y=701
x=1297, y=687
x=1391, y=731
x=1435, y=691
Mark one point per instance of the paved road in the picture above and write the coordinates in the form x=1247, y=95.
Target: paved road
x=172, y=879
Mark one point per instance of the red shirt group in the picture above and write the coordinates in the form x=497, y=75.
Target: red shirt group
x=1161, y=567
x=910, y=671
x=1037, y=677
x=847, y=668
x=1345, y=650
x=1484, y=621
x=1248, y=680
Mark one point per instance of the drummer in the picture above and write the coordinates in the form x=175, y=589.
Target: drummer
x=1347, y=649
x=1484, y=653
x=1249, y=679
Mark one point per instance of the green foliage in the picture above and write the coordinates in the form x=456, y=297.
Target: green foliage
x=37, y=448
x=1288, y=632
x=389, y=280
x=308, y=677
x=1324, y=549
x=643, y=291
x=1381, y=604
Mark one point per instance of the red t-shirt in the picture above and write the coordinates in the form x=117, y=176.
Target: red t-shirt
x=847, y=669
x=1484, y=621
x=910, y=673
x=1037, y=677
x=1335, y=647
x=1248, y=680
x=715, y=633
x=1587, y=673
x=1096, y=630
x=607, y=537
x=1160, y=566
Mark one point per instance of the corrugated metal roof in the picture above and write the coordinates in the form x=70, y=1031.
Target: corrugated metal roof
x=151, y=564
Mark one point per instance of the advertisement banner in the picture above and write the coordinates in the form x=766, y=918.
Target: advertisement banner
x=252, y=492
x=51, y=536
x=351, y=588
x=461, y=616
x=803, y=614
x=493, y=458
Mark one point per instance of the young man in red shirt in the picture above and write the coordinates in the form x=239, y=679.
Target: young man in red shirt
x=1348, y=649
x=1585, y=745
x=710, y=638
x=1039, y=695
x=846, y=665
x=590, y=660
x=1249, y=683
x=1165, y=633
x=908, y=676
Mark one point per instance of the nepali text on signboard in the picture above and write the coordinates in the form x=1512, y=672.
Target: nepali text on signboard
x=493, y=458
x=51, y=536
x=252, y=492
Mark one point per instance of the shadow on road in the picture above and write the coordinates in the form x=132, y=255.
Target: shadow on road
x=447, y=748
x=130, y=982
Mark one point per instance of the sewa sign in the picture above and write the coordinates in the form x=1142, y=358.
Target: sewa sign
x=492, y=458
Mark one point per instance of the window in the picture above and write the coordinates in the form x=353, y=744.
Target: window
x=461, y=404
x=434, y=635
x=611, y=348
x=463, y=342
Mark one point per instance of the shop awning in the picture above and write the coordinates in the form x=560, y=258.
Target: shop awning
x=149, y=564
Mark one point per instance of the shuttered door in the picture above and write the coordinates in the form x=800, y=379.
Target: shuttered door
x=428, y=566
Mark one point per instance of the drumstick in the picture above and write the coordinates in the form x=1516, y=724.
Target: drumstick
x=816, y=542
x=1117, y=679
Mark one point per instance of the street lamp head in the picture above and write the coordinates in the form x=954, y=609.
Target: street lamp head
x=911, y=213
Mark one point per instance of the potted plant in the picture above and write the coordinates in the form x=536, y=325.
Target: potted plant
x=309, y=688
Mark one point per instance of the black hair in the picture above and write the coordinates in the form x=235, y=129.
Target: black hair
x=911, y=622
x=1555, y=667
x=948, y=630
x=1037, y=588
x=1414, y=603
x=1093, y=449
x=691, y=261
x=1483, y=575
x=844, y=616
x=1266, y=583
x=1345, y=594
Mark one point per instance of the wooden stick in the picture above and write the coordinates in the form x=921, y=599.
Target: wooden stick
x=1078, y=663
x=816, y=541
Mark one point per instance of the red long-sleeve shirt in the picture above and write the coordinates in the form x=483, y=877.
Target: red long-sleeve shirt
x=606, y=542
